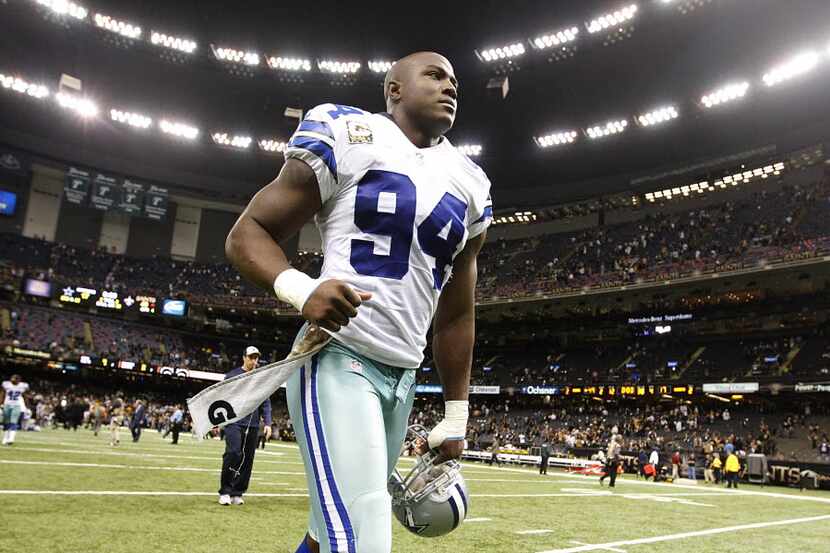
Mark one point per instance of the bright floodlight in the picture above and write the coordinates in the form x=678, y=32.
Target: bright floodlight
x=23, y=87
x=555, y=139
x=795, y=66
x=380, y=66
x=181, y=130
x=609, y=128
x=119, y=27
x=657, y=116
x=173, y=42
x=472, y=150
x=64, y=7
x=503, y=52
x=236, y=56
x=82, y=106
x=556, y=39
x=343, y=67
x=271, y=145
x=130, y=118
x=611, y=19
x=236, y=141
x=289, y=64
x=725, y=94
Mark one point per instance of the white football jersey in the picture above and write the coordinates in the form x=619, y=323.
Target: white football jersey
x=394, y=217
x=14, y=393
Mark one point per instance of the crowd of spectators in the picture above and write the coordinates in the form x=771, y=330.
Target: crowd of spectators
x=68, y=335
x=697, y=431
x=762, y=226
x=796, y=433
x=769, y=224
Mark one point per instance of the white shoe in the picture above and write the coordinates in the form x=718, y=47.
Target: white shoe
x=224, y=499
x=237, y=500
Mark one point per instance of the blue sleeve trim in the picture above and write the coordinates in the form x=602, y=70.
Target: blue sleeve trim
x=318, y=148
x=319, y=127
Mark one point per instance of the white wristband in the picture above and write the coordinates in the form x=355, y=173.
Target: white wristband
x=294, y=287
x=454, y=425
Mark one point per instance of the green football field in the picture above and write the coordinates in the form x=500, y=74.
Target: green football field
x=70, y=492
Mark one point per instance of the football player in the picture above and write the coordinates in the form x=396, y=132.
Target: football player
x=13, y=406
x=402, y=215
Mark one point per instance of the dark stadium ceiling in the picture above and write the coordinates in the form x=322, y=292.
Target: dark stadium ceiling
x=671, y=57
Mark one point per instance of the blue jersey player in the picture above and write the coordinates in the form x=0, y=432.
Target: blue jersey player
x=402, y=215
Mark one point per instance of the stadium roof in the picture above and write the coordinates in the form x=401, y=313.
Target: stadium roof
x=667, y=55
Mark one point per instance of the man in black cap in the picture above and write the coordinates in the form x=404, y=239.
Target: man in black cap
x=241, y=439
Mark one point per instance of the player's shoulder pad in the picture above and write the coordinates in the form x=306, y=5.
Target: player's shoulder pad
x=331, y=121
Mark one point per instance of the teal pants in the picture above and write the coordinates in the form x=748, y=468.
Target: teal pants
x=350, y=415
x=11, y=416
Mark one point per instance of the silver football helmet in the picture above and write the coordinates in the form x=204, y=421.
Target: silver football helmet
x=431, y=500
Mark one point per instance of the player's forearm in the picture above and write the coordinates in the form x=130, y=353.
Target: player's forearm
x=255, y=253
x=452, y=348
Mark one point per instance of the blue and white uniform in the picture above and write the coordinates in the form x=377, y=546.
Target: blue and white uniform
x=13, y=406
x=393, y=218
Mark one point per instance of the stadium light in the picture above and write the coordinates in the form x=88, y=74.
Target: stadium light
x=181, y=130
x=797, y=65
x=471, y=150
x=725, y=94
x=611, y=19
x=558, y=38
x=235, y=56
x=289, y=64
x=237, y=141
x=23, y=87
x=130, y=118
x=64, y=7
x=271, y=145
x=657, y=116
x=119, y=27
x=609, y=128
x=82, y=106
x=173, y=42
x=341, y=67
x=555, y=139
x=502, y=52
x=379, y=66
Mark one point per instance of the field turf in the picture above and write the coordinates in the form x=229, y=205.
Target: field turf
x=69, y=492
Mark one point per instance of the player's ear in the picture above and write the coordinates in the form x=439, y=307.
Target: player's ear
x=393, y=91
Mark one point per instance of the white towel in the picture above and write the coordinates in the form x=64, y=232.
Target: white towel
x=235, y=398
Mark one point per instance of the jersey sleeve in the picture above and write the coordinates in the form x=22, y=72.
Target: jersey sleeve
x=482, y=215
x=314, y=142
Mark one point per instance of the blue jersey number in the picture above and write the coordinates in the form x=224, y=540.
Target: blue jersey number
x=385, y=206
x=344, y=110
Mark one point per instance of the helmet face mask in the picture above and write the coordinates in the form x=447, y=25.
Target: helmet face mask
x=430, y=500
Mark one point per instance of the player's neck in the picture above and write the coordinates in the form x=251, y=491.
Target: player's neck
x=418, y=137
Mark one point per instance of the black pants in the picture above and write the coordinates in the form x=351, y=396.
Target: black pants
x=135, y=430
x=261, y=441
x=732, y=479
x=610, y=472
x=175, y=428
x=543, y=468
x=238, y=459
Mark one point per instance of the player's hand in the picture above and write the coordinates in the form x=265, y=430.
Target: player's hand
x=447, y=450
x=332, y=304
x=267, y=433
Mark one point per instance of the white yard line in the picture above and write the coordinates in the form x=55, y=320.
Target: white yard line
x=534, y=532
x=686, y=535
x=666, y=486
x=147, y=455
x=138, y=467
x=477, y=519
x=125, y=493
x=606, y=549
